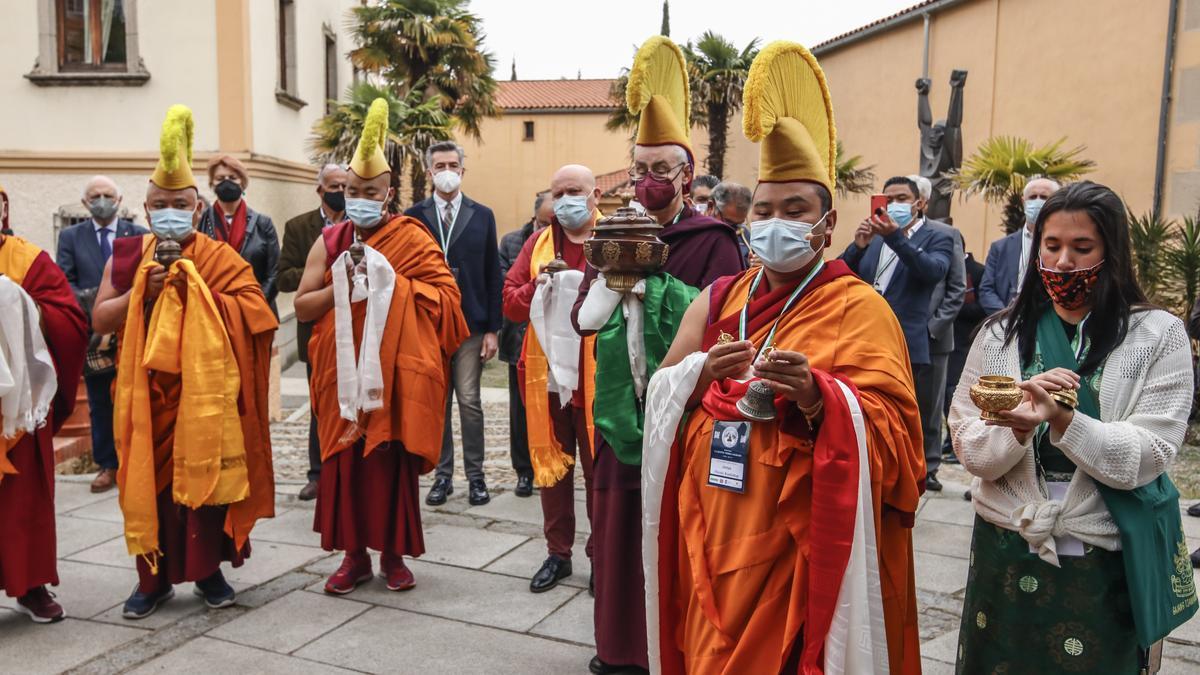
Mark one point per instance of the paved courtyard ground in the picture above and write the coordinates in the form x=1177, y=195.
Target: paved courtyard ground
x=471, y=611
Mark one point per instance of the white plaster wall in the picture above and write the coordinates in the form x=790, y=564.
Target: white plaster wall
x=280, y=131
x=177, y=42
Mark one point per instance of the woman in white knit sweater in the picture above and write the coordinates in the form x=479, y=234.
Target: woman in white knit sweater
x=1049, y=587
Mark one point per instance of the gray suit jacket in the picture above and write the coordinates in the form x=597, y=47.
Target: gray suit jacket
x=948, y=295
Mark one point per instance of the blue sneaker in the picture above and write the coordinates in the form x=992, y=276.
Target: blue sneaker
x=141, y=605
x=215, y=591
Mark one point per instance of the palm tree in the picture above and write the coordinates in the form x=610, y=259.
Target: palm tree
x=1150, y=242
x=851, y=177
x=1183, y=257
x=436, y=44
x=718, y=73
x=1002, y=165
x=414, y=123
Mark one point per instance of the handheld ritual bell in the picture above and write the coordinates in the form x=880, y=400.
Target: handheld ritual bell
x=167, y=251
x=556, y=265
x=758, y=403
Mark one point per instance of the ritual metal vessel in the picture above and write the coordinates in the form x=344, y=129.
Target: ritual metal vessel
x=626, y=248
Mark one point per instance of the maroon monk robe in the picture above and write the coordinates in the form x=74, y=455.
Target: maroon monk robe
x=27, y=534
x=703, y=249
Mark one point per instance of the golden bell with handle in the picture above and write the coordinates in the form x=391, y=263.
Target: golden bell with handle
x=758, y=403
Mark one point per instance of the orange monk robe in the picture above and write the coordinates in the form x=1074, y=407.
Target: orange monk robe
x=424, y=327
x=27, y=534
x=740, y=580
x=250, y=326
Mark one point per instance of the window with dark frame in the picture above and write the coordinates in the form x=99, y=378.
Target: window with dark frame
x=528, y=130
x=287, y=46
x=331, y=71
x=90, y=35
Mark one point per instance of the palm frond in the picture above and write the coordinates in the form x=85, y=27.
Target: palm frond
x=852, y=177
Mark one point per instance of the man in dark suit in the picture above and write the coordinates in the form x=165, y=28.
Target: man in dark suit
x=969, y=318
x=83, y=249
x=1008, y=257
x=906, y=260
x=299, y=235
x=466, y=231
x=944, y=307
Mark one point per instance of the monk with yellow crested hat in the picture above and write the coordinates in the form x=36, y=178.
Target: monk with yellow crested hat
x=702, y=249
x=782, y=457
x=387, y=318
x=190, y=403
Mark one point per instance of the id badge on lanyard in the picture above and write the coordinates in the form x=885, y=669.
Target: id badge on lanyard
x=727, y=456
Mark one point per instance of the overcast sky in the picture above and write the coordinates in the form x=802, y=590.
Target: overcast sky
x=560, y=38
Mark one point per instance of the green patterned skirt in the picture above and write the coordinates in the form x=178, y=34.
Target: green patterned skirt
x=1024, y=615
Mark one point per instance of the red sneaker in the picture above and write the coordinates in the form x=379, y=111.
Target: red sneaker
x=39, y=604
x=355, y=569
x=397, y=574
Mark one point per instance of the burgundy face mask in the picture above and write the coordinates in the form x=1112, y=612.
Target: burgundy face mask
x=654, y=194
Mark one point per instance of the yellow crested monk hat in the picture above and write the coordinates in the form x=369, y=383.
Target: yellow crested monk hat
x=174, y=169
x=658, y=92
x=787, y=107
x=369, y=160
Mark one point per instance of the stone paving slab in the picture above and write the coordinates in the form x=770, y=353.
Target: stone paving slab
x=940, y=573
x=942, y=538
x=289, y=526
x=289, y=623
x=394, y=641
x=467, y=547
x=107, y=509
x=76, y=534
x=465, y=595
x=508, y=506
x=572, y=622
x=269, y=560
x=56, y=647
x=70, y=495
x=205, y=656
x=87, y=590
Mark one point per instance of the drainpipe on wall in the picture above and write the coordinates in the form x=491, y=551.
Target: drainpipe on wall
x=1164, y=112
x=925, y=54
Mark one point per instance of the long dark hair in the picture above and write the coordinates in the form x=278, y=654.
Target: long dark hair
x=1116, y=294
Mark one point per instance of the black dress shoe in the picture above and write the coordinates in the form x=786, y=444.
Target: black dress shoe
x=601, y=668
x=932, y=484
x=554, y=570
x=1196, y=558
x=478, y=493
x=442, y=488
x=592, y=583
x=524, y=486
x=1194, y=510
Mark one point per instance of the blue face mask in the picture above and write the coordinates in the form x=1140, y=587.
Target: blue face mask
x=901, y=213
x=1033, y=207
x=365, y=213
x=572, y=211
x=783, y=245
x=173, y=224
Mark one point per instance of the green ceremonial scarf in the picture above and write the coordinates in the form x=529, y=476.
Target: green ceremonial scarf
x=1153, y=548
x=618, y=414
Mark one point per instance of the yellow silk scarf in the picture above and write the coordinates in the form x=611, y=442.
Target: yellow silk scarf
x=546, y=455
x=208, y=451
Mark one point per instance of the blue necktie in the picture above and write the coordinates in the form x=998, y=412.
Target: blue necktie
x=105, y=245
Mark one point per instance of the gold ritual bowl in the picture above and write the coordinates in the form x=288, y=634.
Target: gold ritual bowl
x=1067, y=397
x=994, y=394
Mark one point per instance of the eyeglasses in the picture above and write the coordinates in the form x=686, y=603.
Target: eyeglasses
x=638, y=174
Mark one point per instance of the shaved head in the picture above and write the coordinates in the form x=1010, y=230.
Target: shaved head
x=575, y=173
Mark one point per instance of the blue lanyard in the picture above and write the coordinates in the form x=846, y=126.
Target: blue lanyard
x=788, y=305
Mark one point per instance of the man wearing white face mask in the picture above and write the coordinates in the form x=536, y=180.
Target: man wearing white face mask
x=466, y=232
x=190, y=412
x=559, y=431
x=1008, y=258
x=782, y=440
x=702, y=189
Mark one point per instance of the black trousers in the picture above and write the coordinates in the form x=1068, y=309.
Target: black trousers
x=518, y=440
x=100, y=405
x=930, y=381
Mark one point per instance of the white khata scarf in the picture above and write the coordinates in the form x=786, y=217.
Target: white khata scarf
x=28, y=381
x=360, y=387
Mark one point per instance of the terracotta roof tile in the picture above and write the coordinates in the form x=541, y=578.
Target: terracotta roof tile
x=614, y=183
x=555, y=95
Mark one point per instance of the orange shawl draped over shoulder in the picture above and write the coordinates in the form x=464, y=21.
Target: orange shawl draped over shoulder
x=425, y=326
x=191, y=396
x=742, y=571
